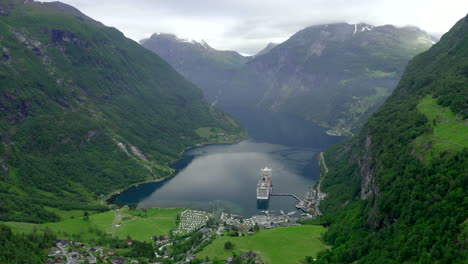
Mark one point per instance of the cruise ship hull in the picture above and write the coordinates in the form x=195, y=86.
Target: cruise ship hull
x=263, y=194
x=265, y=184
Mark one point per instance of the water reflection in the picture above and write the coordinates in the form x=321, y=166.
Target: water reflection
x=225, y=176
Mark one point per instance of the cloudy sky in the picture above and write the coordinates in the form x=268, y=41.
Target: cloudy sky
x=248, y=25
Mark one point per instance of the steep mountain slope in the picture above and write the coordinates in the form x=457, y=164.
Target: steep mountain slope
x=397, y=191
x=85, y=111
x=336, y=74
x=220, y=74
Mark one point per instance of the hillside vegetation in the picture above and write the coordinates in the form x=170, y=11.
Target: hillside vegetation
x=397, y=191
x=85, y=111
x=98, y=228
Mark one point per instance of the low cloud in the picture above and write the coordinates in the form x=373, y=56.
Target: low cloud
x=247, y=26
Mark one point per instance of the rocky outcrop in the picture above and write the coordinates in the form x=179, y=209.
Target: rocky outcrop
x=6, y=9
x=91, y=134
x=59, y=36
x=4, y=166
x=367, y=167
x=5, y=55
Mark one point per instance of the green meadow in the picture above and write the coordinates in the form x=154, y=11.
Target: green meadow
x=142, y=224
x=449, y=131
x=137, y=224
x=276, y=246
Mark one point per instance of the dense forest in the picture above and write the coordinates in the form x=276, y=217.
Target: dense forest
x=84, y=111
x=24, y=248
x=397, y=191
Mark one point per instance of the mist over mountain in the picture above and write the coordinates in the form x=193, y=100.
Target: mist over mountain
x=333, y=75
x=222, y=75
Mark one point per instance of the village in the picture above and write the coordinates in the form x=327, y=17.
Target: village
x=197, y=228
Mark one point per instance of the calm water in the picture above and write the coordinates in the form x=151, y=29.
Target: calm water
x=225, y=176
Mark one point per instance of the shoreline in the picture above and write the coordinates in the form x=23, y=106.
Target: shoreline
x=110, y=198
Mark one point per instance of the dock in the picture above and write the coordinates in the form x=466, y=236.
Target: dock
x=286, y=194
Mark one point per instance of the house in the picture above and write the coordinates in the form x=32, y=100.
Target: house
x=54, y=251
x=62, y=242
x=205, y=230
x=249, y=254
x=91, y=260
x=118, y=260
x=74, y=255
x=77, y=244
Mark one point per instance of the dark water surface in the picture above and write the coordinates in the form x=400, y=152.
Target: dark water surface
x=225, y=176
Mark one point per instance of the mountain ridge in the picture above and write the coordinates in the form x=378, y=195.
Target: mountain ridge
x=86, y=111
x=290, y=77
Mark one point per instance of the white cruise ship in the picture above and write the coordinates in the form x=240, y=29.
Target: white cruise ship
x=265, y=184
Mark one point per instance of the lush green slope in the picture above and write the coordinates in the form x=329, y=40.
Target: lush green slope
x=140, y=225
x=280, y=245
x=85, y=111
x=397, y=191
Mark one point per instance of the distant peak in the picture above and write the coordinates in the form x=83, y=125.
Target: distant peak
x=173, y=37
x=268, y=47
x=362, y=27
x=204, y=44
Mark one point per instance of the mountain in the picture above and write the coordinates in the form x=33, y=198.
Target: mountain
x=396, y=192
x=337, y=74
x=334, y=75
x=265, y=50
x=86, y=111
x=222, y=75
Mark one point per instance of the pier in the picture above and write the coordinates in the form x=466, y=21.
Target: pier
x=286, y=194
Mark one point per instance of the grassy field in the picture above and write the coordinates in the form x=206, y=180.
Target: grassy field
x=280, y=245
x=450, y=133
x=141, y=225
x=217, y=135
x=138, y=224
x=73, y=228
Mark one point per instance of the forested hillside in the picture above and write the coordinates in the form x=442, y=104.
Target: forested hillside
x=397, y=191
x=85, y=111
